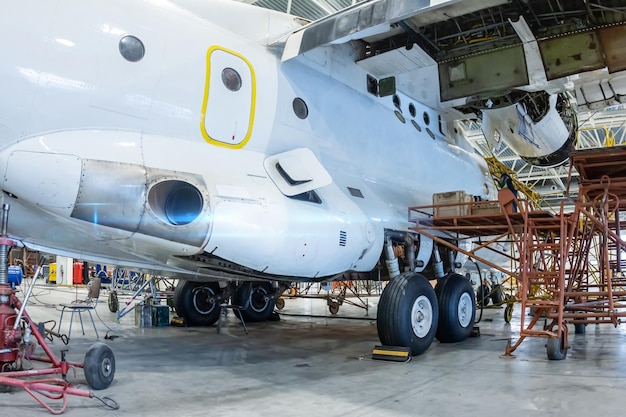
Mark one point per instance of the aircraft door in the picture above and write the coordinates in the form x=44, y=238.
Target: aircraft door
x=229, y=99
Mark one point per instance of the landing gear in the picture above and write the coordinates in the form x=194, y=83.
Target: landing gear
x=256, y=299
x=497, y=295
x=457, y=308
x=198, y=302
x=408, y=313
x=482, y=295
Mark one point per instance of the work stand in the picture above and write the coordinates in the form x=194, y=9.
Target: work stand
x=568, y=266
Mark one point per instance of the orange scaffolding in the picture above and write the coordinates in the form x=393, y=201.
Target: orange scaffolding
x=569, y=267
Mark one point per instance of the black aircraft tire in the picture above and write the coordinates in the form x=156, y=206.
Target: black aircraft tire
x=197, y=302
x=408, y=313
x=457, y=309
x=441, y=282
x=99, y=366
x=496, y=294
x=482, y=295
x=256, y=301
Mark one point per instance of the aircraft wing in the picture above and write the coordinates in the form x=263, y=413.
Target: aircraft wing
x=477, y=49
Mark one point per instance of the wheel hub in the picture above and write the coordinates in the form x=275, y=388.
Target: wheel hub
x=464, y=310
x=421, y=316
x=258, y=299
x=203, y=300
x=106, y=367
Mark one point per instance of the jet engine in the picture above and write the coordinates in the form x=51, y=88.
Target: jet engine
x=537, y=126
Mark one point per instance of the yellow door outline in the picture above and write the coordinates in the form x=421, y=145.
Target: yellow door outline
x=205, y=100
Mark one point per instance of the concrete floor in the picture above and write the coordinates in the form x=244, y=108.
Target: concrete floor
x=302, y=366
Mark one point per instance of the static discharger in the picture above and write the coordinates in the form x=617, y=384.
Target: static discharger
x=391, y=353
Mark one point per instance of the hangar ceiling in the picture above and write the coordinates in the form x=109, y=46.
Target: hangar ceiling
x=307, y=9
x=596, y=128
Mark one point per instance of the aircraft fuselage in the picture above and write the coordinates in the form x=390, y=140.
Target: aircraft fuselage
x=201, y=140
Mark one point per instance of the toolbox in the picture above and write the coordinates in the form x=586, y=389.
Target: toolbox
x=160, y=315
x=143, y=315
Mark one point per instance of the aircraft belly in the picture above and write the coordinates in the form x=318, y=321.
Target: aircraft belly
x=284, y=236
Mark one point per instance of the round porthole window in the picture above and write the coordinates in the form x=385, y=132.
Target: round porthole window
x=231, y=79
x=412, y=110
x=426, y=119
x=396, y=101
x=132, y=48
x=300, y=108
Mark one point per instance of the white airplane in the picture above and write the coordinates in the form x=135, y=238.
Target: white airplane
x=241, y=149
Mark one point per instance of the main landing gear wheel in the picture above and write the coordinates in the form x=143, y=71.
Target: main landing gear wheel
x=482, y=295
x=457, y=308
x=408, y=313
x=114, y=303
x=497, y=294
x=256, y=300
x=198, y=302
x=99, y=366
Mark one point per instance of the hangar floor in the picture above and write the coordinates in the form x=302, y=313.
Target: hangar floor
x=302, y=365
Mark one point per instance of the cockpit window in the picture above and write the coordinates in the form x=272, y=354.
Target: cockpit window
x=231, y=79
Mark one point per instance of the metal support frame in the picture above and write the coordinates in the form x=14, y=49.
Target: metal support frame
x=569, y=266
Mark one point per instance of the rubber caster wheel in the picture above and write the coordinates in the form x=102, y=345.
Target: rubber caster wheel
x=508, y=314
x=114, y=303
x=280, y=303
x=556, y=348
x=333, y=307
x=99, y=366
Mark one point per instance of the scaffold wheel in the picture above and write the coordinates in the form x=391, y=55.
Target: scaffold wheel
x=557, y=347
x=114, y=303
x=333, y=307
x=508, y=313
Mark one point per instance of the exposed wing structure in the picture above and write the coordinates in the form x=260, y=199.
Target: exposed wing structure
x=476, y=49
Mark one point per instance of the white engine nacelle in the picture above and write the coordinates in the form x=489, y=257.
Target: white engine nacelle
x=540, y=128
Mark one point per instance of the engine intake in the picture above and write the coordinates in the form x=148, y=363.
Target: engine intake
x=175, y=202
